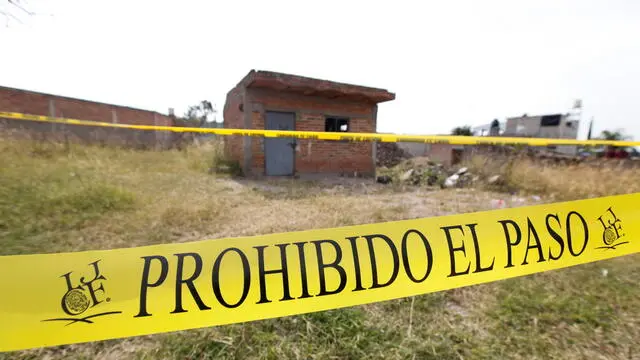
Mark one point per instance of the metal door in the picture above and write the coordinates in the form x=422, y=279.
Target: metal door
x=279, y=152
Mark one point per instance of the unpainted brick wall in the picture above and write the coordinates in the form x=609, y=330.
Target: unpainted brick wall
x=87, y=134
x=234, y=119
x=317, y=156
x=441, y=153
x=28, y=102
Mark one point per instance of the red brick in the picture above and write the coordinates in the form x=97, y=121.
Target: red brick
x=29, y=102
x=312, y=156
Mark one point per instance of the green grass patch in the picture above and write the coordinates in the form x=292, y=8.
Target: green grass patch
x=68, y=197
x=339, y=334
x=545, y=315
x=29, y=209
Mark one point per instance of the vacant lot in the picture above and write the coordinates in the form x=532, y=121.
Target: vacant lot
x=67, y=197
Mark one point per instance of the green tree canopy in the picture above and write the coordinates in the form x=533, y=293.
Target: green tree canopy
x=462, y=131
x=614, y=135
x=198, y=115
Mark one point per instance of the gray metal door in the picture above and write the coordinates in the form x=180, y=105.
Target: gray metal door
x=279, y=152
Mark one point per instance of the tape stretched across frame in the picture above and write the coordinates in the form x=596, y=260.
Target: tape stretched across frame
x=67, y=298
x=333, y=136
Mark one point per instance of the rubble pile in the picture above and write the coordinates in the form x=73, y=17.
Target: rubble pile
x=423, y=172
x=390, y=154
x=415, y=171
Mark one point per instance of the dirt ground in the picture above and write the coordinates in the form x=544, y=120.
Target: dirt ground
x=55, y=199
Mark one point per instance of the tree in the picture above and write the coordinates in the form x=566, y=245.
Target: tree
x=198, y=115
x=462, y=131
x=615, y=135
x=611, y=151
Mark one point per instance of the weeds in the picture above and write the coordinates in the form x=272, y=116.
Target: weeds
x=67, y=197
x=33, y=208
x=562, y=182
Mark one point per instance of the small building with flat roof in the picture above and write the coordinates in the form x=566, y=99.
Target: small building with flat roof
x=276, y=101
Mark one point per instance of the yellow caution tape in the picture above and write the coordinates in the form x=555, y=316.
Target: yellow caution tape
x=53, y=299
x=334, y=136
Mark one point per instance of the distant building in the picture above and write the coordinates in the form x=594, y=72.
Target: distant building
x=554, y=126
x=494, y=128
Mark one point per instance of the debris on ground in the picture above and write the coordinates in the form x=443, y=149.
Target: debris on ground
x=419, y=171
x=407, y=175
x=517, y=199
x=494, y=180
x=390, y=154
x=422, y=171
x=451, y=181
x=384, y=179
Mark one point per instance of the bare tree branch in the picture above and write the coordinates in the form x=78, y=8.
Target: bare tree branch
x=4, y=13
x=8, y=14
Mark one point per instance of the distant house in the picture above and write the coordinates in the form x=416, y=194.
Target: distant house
x=276, y=101
x=494, y=128
x=554, y=126
x=449, y=154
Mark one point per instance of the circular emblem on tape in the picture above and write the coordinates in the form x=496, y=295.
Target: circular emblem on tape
x=76, y=301
x=609, y=236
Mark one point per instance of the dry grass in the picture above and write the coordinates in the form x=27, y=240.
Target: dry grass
x=562, y=182
x=61, y=198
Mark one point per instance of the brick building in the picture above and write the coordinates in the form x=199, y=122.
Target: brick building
x=36, y=103
x=275, y=101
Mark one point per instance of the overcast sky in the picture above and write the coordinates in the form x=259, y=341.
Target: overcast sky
x=449, y=62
